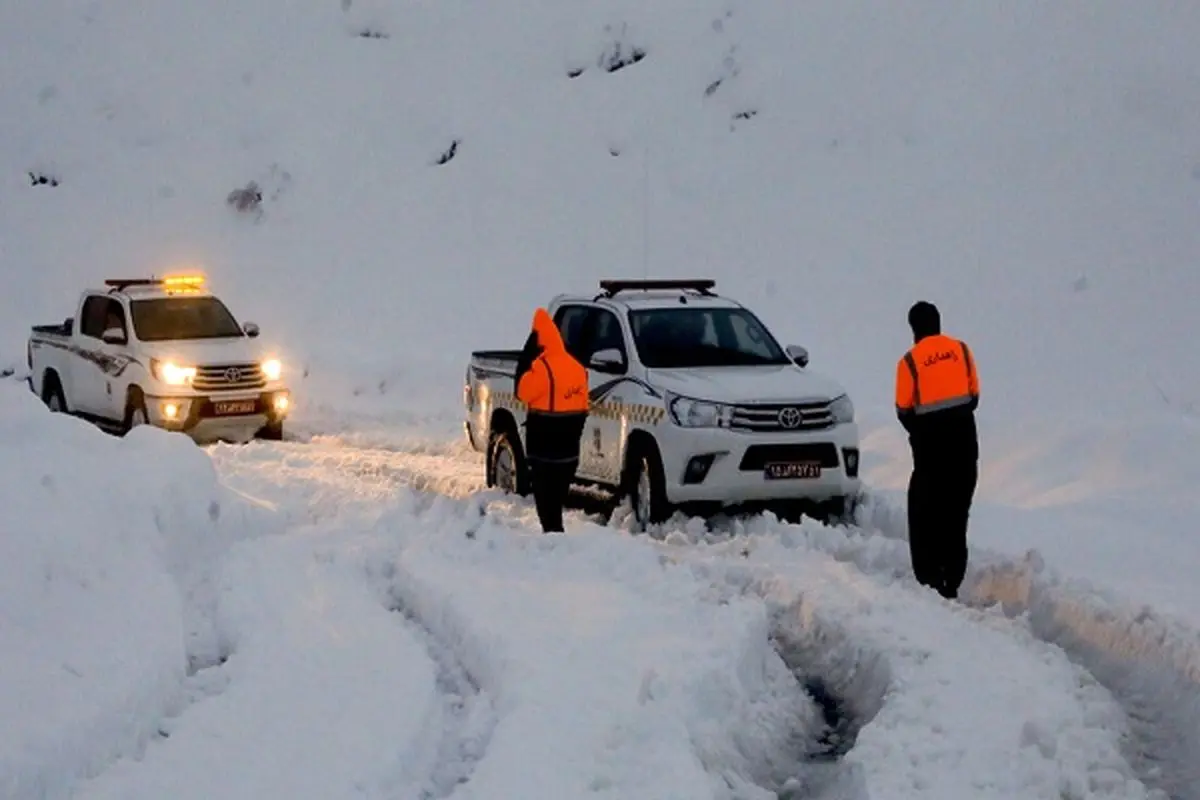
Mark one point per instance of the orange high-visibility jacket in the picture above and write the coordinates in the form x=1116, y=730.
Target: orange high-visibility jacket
x=556, y=383
x=938, y=372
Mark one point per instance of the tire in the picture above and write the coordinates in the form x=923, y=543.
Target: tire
x=506, y=466
x=271, y=432
x=646, y=489
x=844, y=510
x=135, y=411
x=52, y=395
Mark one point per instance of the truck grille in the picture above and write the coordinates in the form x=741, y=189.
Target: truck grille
x=781, y=417
x=228, y=378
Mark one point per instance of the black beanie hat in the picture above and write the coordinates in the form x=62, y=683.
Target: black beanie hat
x=924, y=319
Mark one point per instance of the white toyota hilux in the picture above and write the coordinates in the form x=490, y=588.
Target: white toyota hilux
x=164, y=352
x=694, y=404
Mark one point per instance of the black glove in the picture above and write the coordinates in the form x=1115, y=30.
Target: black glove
x=529, y=354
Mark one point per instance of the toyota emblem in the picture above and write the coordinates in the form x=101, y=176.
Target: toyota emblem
x=233, y=374
x=790, y=417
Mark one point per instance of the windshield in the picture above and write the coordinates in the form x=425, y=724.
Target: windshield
x=669, y=338
x=168, y=318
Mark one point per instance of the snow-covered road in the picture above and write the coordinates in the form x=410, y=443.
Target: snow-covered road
x=634, y=667
x=360, y=619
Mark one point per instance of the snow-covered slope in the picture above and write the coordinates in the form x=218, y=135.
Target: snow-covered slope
x=429, y=173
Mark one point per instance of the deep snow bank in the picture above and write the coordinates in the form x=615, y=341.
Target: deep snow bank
x=102, y=593
x=951, y=703
x=1147, y=661
x=1151, y=663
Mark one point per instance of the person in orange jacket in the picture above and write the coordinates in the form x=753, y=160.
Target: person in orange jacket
x=553, y=385
x=937, y=392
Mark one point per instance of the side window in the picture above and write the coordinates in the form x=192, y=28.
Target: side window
x=608, y=335
x=573, y=324
x=114, y=316
x=94, y=314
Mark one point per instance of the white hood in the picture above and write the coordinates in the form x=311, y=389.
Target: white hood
x=201, y=352
x=731, y=385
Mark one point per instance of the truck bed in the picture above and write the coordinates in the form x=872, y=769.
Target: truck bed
x=62, y=330
x=501, y=362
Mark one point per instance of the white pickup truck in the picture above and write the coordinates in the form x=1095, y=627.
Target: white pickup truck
x=163, y=352
x=694, y=404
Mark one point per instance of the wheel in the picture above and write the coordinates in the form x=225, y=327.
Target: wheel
x=52, y=396
x=844, y=510
x=135, y=411
x=271, y=432
x=647, y=489
x=506, y=464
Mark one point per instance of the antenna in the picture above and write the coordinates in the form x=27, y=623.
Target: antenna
x=645, y=209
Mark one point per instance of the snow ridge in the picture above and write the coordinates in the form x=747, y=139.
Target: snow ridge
x=1151, y=665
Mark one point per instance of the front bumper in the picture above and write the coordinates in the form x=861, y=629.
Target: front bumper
x=704, y=465
x=227, y=415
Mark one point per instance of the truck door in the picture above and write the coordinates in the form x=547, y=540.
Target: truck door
x=587, y=330
x=94, y=387
x=606, y=427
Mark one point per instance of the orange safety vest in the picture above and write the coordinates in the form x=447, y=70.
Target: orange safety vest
x=556, y=383
x=938, y=372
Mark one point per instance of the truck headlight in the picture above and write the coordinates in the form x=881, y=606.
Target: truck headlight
x=842, y=410
x=272, y=369
x=171, y=373
x=691, y=413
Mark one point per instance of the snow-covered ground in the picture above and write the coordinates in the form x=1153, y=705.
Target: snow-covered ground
x=349, y=614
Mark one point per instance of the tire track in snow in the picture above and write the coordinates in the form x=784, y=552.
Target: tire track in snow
x=468, y=714
x=849, y=685
x=308, y=656
x=433, y=477
x=468, y=718
x=1149, y=666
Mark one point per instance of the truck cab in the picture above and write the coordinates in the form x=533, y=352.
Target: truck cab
x=164, y=352
x=693, y=403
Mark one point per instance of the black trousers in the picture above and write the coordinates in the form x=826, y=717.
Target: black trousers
x=551, y=486
x=939, y=507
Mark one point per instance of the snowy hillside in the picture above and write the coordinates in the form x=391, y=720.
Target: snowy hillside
x=431, y=172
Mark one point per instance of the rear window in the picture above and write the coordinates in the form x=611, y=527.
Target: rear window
x=169, y=318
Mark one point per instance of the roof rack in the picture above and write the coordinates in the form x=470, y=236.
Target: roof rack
x=704, y=286
x=121, y=284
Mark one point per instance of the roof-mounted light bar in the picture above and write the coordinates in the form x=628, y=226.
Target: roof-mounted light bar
x=169, y=283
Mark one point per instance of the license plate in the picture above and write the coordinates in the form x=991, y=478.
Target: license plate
x=230, y=407
x=803, y=469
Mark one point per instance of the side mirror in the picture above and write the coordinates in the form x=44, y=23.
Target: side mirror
x=251, y=329
x=798, y=354
x=113, y=336
x=609, y=361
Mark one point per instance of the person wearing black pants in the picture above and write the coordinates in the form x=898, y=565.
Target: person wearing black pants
x=554, y=388
x=937, y=393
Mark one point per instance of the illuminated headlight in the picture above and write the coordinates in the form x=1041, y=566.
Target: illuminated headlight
x=272, y=369
x=171, y=373
x=842, y=410
x=690, y=413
